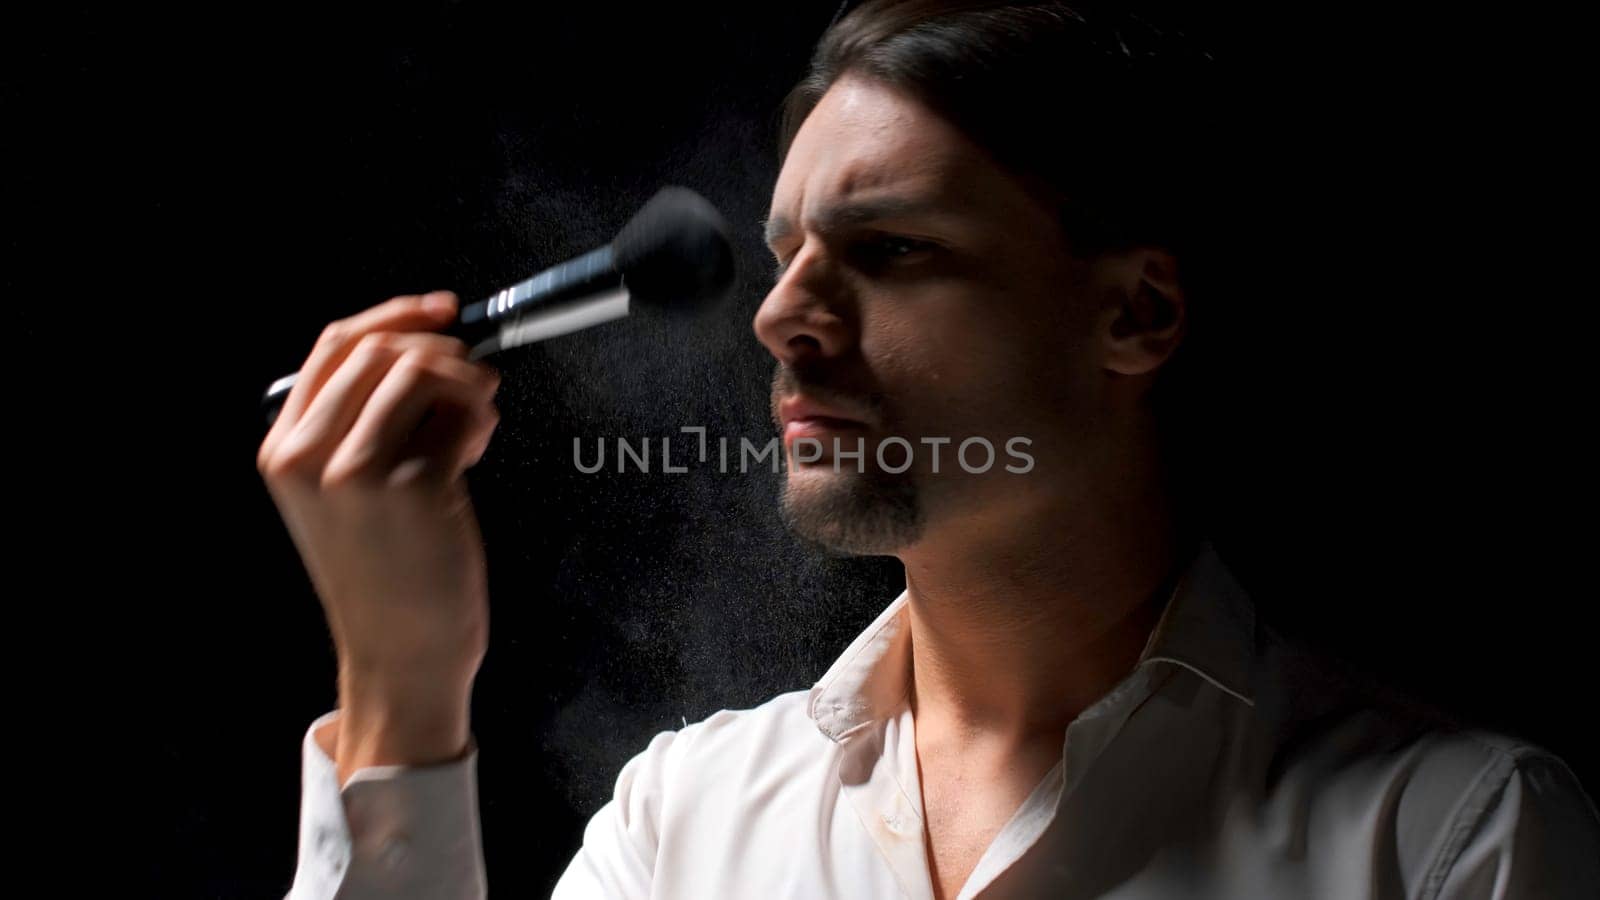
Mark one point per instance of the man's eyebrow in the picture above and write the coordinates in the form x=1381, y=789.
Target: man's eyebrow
x=845, y=215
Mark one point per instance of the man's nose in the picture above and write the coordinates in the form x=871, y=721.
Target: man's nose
x=808, y=313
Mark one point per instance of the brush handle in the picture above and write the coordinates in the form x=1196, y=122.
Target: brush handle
x=580, y=292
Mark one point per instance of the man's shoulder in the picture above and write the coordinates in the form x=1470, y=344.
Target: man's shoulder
x=735, y=764
x=1311, y=695
x=759, y=741
x=1469, y=800
x=1349, y=740
x=784, y=716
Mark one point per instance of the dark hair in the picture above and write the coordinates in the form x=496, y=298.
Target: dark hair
x=1110, y=116
x=1098, y=110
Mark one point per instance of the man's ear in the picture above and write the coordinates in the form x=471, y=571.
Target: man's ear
x=1148, y=314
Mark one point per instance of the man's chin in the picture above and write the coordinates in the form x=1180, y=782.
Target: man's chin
x=851, y=513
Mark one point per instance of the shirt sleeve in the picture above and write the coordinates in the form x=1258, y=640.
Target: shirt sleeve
x=618, y=858
x=392, y=831
x=1527, y=830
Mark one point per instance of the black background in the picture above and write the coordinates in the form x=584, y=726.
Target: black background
x=192, y=196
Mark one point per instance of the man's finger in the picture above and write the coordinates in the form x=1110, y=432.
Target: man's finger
x=423, y=312
x=416, y=312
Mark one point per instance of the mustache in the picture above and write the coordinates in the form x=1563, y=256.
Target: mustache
x=786, y=382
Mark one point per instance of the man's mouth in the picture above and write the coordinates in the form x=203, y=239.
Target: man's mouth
x=822, y=429
x=802, y=417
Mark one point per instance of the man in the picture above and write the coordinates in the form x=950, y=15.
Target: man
x=1072, y=697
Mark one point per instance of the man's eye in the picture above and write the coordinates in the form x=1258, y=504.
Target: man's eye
x=892, y=246
x=887, y=250
x=873, y=252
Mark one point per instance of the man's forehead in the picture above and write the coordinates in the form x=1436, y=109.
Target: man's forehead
x=892, y=191
x=847, y=172
x=873, y=146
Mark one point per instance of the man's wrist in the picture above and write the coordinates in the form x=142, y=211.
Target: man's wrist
x=385, y=723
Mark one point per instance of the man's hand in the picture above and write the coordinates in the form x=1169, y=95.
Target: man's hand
x=365, y=463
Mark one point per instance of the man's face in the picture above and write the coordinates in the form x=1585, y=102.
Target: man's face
x=923, y=293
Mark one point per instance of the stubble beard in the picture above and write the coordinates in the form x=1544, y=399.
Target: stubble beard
x=856, y=511
x=850, y=513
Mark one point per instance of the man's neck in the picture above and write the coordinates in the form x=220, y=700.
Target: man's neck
x=1020, y=626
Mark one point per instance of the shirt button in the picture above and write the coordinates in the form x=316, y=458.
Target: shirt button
x=394, y=852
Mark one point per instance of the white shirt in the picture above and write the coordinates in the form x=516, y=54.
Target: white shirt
x=1227, y=764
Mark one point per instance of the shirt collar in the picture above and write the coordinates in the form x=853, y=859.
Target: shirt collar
x=1208, y=626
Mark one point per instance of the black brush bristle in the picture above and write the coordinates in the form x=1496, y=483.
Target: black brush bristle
x=675, y=251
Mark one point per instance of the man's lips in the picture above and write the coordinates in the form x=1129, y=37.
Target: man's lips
x=820, y=428
x=803, y=417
